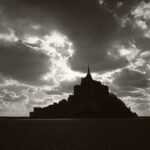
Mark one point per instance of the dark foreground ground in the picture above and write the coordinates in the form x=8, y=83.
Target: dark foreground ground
x=68, y=134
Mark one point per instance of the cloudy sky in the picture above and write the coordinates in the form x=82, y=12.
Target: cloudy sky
x=45, y=47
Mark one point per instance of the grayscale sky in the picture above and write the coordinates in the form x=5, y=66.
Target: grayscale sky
x=46, y=45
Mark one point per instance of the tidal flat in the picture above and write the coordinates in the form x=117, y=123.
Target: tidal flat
x=74, y=134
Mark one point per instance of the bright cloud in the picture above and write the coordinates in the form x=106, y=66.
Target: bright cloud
x=142, y=11
x=9, y=37
x=59, y=48
x=101, y=2
x=141, y=15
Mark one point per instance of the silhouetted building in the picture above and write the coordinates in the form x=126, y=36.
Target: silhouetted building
x=91, y=99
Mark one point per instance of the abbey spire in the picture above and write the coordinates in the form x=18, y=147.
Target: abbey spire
x=89, y=69
x=88, y=76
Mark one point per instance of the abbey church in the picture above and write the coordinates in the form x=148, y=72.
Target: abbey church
x=90, y=99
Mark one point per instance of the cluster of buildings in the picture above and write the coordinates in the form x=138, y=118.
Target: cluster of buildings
x=91, y=99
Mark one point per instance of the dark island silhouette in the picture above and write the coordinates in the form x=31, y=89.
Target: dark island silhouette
x=91, y=99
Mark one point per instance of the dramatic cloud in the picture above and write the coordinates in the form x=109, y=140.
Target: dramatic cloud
x=91, y=36
x=46, y=46
x=9, y=96
x=20, y=62
x=130, y=78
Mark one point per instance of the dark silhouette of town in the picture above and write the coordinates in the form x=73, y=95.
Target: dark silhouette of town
x=91, y=99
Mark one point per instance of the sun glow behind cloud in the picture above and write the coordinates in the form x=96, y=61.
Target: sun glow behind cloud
x=59, y=49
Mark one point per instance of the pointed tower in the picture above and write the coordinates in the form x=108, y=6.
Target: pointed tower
x=88, y=76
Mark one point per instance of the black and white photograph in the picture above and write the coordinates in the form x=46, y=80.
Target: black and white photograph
x=74, y=74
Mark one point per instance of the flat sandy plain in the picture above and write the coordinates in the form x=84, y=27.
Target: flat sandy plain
x=75, y=134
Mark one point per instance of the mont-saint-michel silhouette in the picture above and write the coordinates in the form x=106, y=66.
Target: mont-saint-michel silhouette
x=91, y=99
